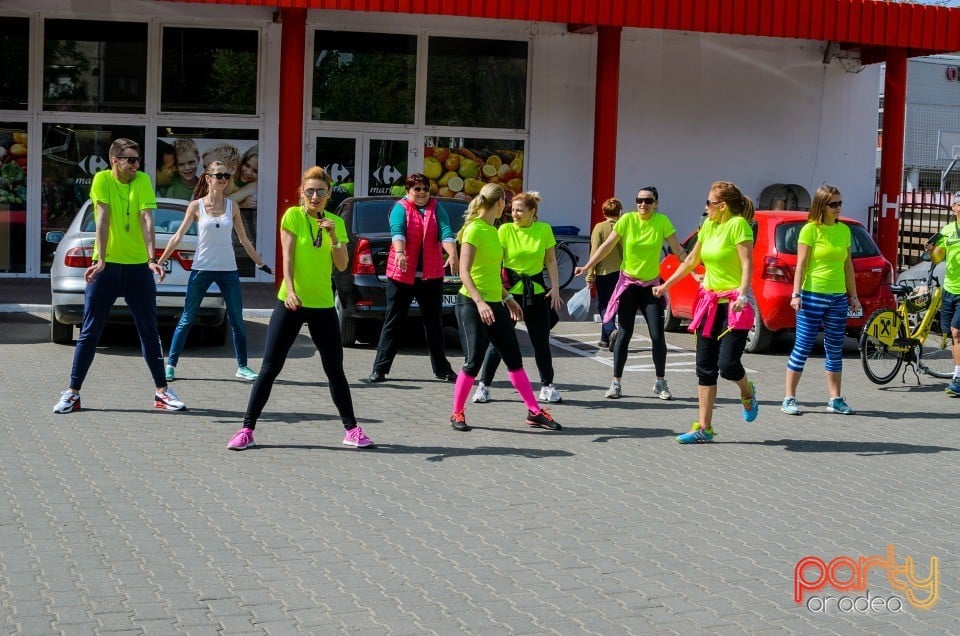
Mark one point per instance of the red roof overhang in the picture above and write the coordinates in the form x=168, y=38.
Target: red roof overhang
x=869, y=25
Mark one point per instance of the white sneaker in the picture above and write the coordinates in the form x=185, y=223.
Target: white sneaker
x=549, y=393
x=662, y=391
x=614, y=391
x=168, y=401
x=69, y=402
x=482, y=394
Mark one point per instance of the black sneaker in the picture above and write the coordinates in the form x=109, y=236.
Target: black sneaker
x=447, y=376
x=458, y=421
x=543, y=420
x=375, y=376
x=612, y=343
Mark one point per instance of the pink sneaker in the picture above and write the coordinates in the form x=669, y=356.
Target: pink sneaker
x=242, y=440
x=356, y=437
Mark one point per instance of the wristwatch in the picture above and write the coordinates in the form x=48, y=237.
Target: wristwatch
x=794, y=295
x=152, y=261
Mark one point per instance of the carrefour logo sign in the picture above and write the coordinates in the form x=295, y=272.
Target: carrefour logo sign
x=953, y=73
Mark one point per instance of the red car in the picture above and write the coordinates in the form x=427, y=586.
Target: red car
x=774, y=262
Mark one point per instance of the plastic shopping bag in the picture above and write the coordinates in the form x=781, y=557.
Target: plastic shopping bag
x=579, y=304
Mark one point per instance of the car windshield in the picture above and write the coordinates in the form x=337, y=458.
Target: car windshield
x=861, y=245
x=370, y=217
x=166, y=220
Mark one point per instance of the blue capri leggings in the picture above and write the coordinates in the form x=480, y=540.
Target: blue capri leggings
x=831, y=311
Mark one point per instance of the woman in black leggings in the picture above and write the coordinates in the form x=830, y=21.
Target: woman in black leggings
x=312, y=242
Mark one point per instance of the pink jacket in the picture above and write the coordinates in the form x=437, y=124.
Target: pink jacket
x=422, y=232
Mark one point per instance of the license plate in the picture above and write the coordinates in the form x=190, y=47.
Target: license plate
x=449, y=300
x=855, y=314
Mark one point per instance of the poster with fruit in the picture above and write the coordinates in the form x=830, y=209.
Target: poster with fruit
x=13, y=197
x=460, y=167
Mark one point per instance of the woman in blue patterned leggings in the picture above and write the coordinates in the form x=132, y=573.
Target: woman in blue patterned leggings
x=824, y=289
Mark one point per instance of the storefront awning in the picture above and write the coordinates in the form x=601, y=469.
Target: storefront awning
x=868, y=25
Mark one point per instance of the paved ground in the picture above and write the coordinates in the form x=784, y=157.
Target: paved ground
x=125, y=519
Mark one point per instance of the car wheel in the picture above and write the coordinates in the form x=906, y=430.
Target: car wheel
x=348, y=326
x=60, y=332
x=217, y=335
x=758, y=338
x=670, y=322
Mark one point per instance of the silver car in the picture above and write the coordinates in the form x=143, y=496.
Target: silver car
x=73, y=257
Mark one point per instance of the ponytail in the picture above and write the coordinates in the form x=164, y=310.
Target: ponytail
x=737, y=202
x=486, y=199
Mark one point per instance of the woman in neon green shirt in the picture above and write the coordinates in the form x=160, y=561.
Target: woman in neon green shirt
x=822, y=282
x=725, y=246
x=313, y=242
x=486, y=311
x=528, y=247
x=641, y=236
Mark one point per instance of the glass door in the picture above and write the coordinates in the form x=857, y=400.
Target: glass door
x=365, y=164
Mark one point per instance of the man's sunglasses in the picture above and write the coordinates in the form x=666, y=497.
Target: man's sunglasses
x=130, y=160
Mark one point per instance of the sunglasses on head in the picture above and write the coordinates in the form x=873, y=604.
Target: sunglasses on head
x=647, y=200
x=130, y=160
x=315, y=192
x=421, y=189
x=219, y=175
x=835, y=204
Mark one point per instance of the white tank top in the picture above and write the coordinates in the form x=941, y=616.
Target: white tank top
x=215, y=241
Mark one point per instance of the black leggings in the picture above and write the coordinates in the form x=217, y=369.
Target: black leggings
x=476, y=336
x=636, y=298
x=537, y=318
x=720, y=357
x=281, y=333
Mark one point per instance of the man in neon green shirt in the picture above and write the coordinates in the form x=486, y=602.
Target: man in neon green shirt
x=947, y=248
x=123, y=265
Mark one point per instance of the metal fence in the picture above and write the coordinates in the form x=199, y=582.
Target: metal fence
x=922, y=214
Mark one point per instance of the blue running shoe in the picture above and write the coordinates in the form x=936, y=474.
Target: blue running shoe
x=790, y=406
x=838, y=405
x=696, y=435
x=750, y=405
x=953, y=389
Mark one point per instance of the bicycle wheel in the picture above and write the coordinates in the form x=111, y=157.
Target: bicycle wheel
x=880, y=358
x=937, y=356
x=566, y=261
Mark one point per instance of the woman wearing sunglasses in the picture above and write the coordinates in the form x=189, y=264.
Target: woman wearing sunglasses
x=725, y=246
x=313, y=242
x=421, y=234
x=486, y=311
x=824, y=288
x=217, y=218
x=641, y=236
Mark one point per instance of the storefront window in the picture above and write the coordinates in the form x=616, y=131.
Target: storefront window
x=458, y=167
x=13, y=197
x=476, y=83
x=72, y=154
x=14, y=62
x=364, y=77
x=182, y=154
x=337, y=155
x=91, y=66
x=209, y=71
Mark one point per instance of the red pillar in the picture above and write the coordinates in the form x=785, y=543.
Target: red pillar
x=290, y=133
x=607, y=96
x=891, y=157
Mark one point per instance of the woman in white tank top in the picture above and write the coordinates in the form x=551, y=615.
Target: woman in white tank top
x=217, y=217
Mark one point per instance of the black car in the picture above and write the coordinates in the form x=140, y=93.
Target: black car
x=361, y=289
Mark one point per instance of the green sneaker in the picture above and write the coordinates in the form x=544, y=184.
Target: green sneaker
x=169, y=373
x=246, y=373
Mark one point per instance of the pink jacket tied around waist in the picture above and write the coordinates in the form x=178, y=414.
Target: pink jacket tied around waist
x=706, y=311
x=625, y=280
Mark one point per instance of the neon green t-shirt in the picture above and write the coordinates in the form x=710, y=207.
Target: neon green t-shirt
x=829, y=247
x=642, y=240
x=487, y=261
x=950, y=241
x=125, y=244
x=524, y=250
x=312, y=266
x=718, y=251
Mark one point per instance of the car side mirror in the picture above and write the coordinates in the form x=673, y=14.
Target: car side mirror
x=54, y=237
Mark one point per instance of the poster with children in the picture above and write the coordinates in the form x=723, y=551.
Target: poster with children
x=181, y=161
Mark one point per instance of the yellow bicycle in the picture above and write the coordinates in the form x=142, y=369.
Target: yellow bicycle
x=910, y=335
